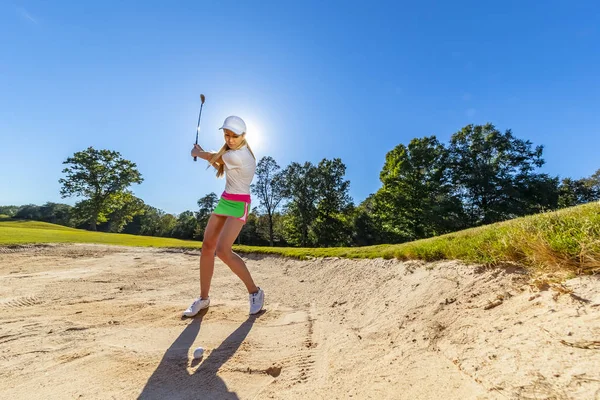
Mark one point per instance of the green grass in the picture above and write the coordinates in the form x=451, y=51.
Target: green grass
x=567, y=241
x=33, y=232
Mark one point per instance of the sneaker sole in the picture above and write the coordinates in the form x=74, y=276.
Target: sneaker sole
x=256, y=312
x=193, y=315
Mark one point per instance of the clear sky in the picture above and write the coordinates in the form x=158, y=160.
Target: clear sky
x=313, y=79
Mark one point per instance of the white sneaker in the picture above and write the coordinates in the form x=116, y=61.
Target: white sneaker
x=197, y=305
x=257, y=300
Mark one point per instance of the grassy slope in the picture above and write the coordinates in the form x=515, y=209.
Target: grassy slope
x=565, y=240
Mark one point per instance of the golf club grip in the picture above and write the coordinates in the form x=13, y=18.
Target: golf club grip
x=196, y=158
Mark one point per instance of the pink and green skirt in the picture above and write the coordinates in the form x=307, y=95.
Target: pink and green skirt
x=233, y=205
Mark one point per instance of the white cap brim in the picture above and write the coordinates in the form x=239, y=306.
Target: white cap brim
x=236, y=131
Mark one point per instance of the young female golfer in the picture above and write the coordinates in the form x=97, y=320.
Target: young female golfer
x=237, y=162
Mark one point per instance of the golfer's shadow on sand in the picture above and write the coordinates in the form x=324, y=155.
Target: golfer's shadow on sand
x=171, y=380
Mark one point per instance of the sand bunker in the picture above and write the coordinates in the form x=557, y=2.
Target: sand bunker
x=100, y=322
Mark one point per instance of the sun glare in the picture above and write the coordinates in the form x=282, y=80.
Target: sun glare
x=255, y=135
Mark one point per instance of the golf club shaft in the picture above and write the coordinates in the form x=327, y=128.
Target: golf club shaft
x=199, y=116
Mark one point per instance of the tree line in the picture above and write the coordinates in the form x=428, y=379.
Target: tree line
x=428, y=188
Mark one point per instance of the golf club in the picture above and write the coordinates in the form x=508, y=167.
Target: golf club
x=202, y=98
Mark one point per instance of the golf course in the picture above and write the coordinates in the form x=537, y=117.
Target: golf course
x=315, y=200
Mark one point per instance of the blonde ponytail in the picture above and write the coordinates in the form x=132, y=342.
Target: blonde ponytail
x=251, y=152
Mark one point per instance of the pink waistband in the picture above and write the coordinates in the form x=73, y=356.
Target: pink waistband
x=236, y=197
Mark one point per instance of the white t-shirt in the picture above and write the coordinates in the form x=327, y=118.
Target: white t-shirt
x=239, y=170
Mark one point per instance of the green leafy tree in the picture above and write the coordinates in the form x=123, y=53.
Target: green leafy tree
x=124, y=207
x=536, y=193
x=185, y=225
x=268, y=189
x=166, y=224
x=366, y=224
x=593, y=183
x=416, y=200
x=146, y=223
x=249, y=234
x=492, y=172
x=56, y=213
x=332, y=225
x=97, y=175
x=206, y=206
x=264, y=224
x=9, y=210
x=573, y=192
x=293, y=232
x=301, y=188
x=29, y=211
x=80, y=215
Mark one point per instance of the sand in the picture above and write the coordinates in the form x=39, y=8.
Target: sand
x=102, y=322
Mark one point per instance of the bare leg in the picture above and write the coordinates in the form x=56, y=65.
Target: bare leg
x=209, y=247
x=229, y=233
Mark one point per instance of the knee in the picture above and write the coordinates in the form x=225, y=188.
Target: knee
x=223, y=251
x=209, y=245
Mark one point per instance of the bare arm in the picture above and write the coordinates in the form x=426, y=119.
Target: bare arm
x=198, y=151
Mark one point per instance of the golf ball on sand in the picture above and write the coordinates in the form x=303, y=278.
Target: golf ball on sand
x=199, y=352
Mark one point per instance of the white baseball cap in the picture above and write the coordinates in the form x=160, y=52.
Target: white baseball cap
x=234, y=124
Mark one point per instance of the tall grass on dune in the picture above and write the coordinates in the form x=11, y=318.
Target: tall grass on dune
x=567, y=240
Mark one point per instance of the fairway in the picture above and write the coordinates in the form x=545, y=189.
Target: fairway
x=31, y=232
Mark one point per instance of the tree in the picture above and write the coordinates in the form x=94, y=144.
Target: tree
x=124, y=206
x=166, y=224
x=147, y=223
x=264, y=226
x=206, y=206
x=593, y=183
x=29, y=211
x=367, y=227
x=594, y=180
x=576, y=191
x=536, y=193
x=97, y=175
x=416, y=200
x=269, y=189
x=492, y=170
x=331, y=226
x=301, y=187
x=249, y=234
x=56, y=213
x=9, y=210
x=185, y=226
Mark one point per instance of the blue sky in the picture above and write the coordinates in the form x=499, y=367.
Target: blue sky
x=313, y=80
